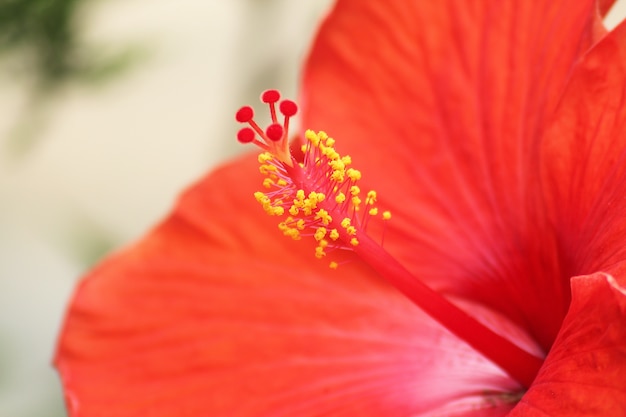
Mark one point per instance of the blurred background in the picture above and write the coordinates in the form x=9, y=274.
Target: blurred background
x=107, y=110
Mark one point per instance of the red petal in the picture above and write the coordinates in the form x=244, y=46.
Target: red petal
x=442, y=104
x=585, y=161
x=584, y=373
x=216, y=314
x=604, y=6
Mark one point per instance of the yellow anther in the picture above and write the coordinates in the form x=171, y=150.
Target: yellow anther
x=330, y=142
x=340, y=198
x=345, y=222
x=355, y=190
x=308, y=206
x=356, y=201
x=312, y=137
x=259, y=196
x=334, y=234
x=337, y=165
x=324, y=217
x=386, y=215
x=320, y=233
x=323, y=243
x=338, y=176
x=267, y=183
x=303, y=148
x=316, y=197
x=373, y=211
x=293, y=210
x=292, y=233
x=330, y=153
x=299, y=200
x=347, y=160
x=371, y=197
x=354, y=241
x=265, y=157
x=278, y=211
x=300, y=224
x=281, y=182
x=267, y=169
x=353, y=174
x=319, y=252
x=333, y=265
x=351, y=230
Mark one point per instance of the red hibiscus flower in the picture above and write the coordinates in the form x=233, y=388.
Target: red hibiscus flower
x=494, y=133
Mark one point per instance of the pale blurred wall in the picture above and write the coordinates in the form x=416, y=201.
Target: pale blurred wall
x=109, y=161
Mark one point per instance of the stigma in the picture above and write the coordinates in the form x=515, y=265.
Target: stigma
x=275, y=138
x=317, y=197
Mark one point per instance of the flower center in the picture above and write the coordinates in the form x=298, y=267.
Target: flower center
x=320, y=198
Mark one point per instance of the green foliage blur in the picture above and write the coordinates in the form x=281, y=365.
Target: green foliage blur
x=46, y=37
x=46, y=31
x=42, y=45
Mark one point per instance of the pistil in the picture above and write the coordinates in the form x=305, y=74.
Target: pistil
x=320, y=197
x=516, y=362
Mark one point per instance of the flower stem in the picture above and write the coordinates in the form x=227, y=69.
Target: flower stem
x=519, y=364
